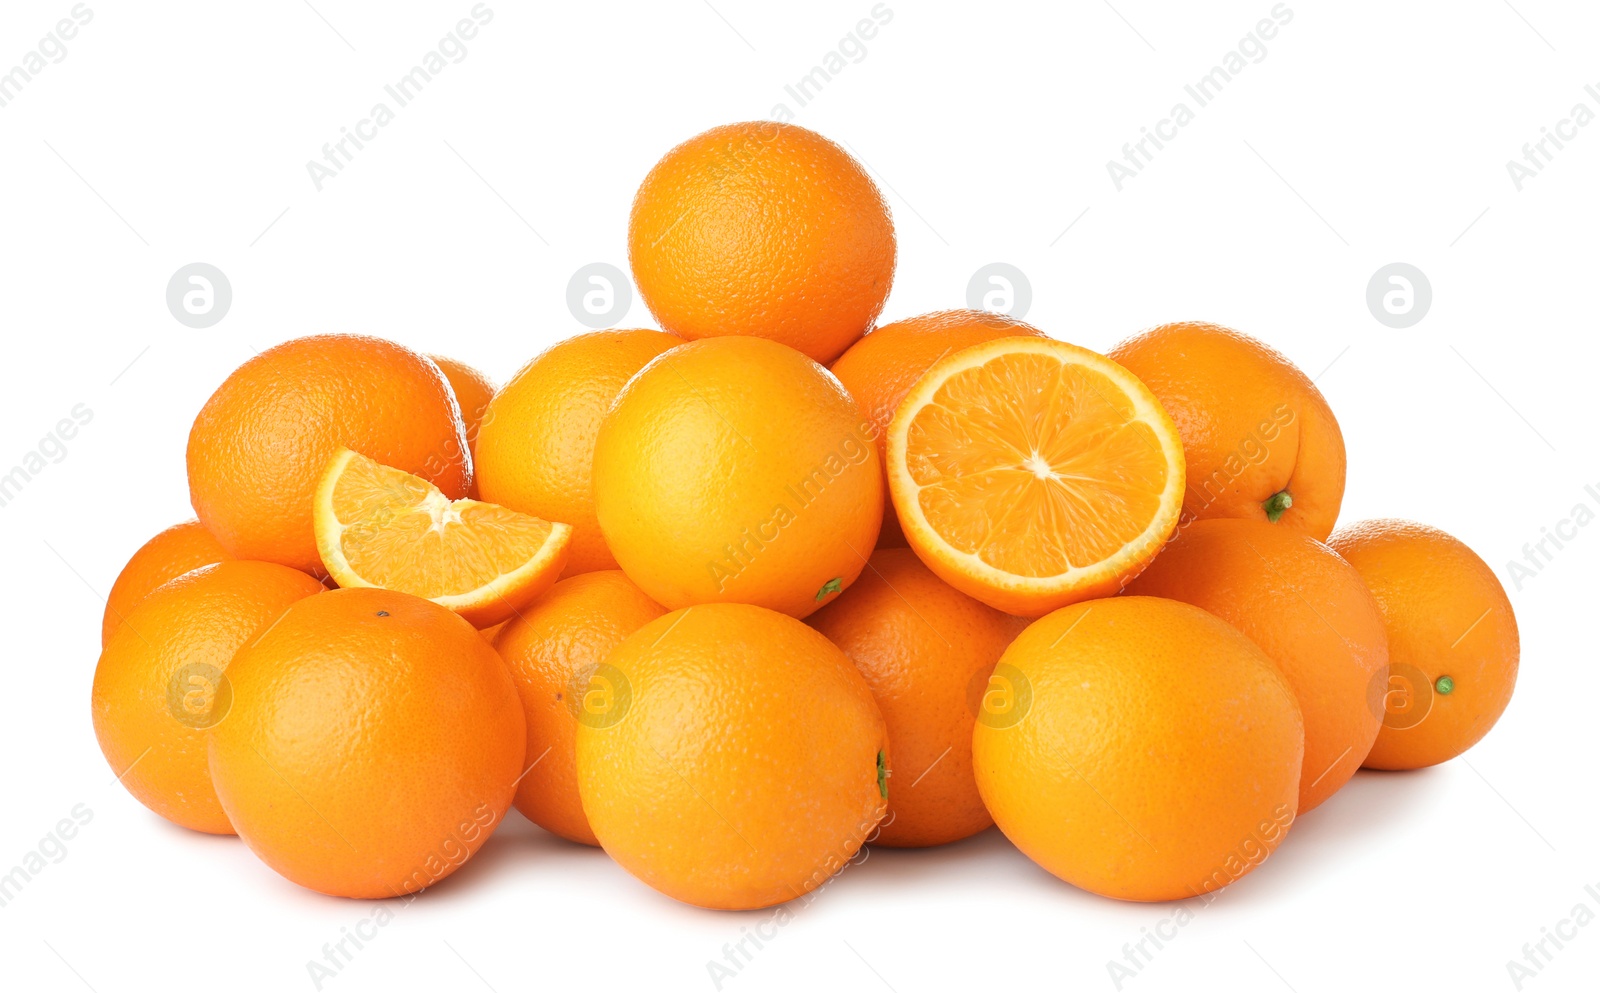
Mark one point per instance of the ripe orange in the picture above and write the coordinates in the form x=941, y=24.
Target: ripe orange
x=175, y=551
x=473, y=391
x=536, y=446
x=1260, y=440
x=1031, y=473
x=374, y=743
x=926, y=652
x=1150, y=752
x=880, y=369
x=762, y=229
x=1453, y=641
x=381, y=527
x=161, y=681
x=260, y=443
x=734, y=759
x=736, y=469
x=1309, y=611
x=556, y=649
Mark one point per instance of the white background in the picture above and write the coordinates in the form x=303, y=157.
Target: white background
x=1371, y=133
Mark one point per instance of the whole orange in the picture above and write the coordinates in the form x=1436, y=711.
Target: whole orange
x=737, y=470
x=259, y=445
x=171, y=553
x=1258, y=436
x=762, y=229
x=926, y=652
x=1453, y=641
x=1140, y=748
x=374, y=743
x=1309, y=611
x=163, y=680
x=535, y=449
x=473, y=391
x=880, y=369
x=555, y=649
x=732, y=757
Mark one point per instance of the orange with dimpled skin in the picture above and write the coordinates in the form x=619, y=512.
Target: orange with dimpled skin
x=163, y=680
x=880, y=369
x=762, y=229
x=374, y=743
x=260, y=443
x=179, y=549
x=1153, y=752
x=1308, y=610
x=553, y=647
x=736, y=470
x=926, y=651
x=1454, y=647
x=1258, y=436
x=732, y=757
x=535, y=449
x=473, y=391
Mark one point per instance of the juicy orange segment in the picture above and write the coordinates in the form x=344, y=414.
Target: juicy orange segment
x=1031, y=473
x=379, y=526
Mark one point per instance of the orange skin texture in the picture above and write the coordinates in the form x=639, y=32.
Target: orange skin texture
x=762, y=229
x=1447, y=615
x=473, y=391
x=261, y=442
x=742, y=771
x=373, y=745
x=924, y=649
x=737, y=470
x=145, y=682
x=552, y=649
x=880, y=369
x=179, y=549
x=535, y=448
x=1158, y=757
x=1309, y=611
x=1253, y=425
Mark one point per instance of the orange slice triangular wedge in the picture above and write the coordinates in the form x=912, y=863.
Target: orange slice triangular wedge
x=383, y=527
x=1030, y=473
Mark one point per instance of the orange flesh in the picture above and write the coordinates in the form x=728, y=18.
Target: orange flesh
x=402, y=533
x=1034, y=465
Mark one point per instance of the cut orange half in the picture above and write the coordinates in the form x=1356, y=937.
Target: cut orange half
x=1030, y=473
x=383, y=527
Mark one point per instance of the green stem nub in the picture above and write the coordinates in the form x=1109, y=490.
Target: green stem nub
x=833, y=585
x=883, y=777
x=1444, y=685
x=1276, y=504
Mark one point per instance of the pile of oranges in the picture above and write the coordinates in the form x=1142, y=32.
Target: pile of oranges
x=732, y=598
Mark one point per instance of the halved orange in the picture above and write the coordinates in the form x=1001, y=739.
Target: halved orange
x=383, y=527
x=1030, y=473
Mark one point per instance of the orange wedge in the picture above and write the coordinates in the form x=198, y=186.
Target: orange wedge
x=1030, y=473
x=382, y=527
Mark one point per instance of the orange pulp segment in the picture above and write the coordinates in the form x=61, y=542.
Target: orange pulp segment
x=1030, y=473
x=382, y=527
